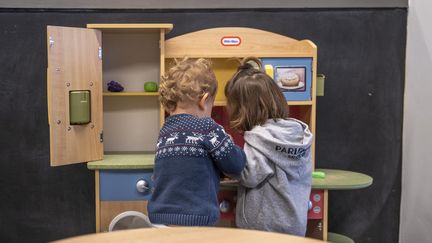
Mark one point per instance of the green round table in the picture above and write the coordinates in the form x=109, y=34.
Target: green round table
x=338, y=180
x=334, y=180
x=341, y=180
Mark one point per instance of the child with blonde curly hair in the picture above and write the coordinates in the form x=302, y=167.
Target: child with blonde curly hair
x=192, y=150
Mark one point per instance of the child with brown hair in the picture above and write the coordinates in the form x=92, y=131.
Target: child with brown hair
x=192, y=150
x=275, y=185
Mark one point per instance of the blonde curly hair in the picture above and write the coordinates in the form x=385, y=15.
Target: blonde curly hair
x=187, y=81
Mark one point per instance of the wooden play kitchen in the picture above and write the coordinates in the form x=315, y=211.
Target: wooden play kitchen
x=116, y=132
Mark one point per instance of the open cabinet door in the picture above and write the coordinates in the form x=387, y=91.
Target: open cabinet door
x=74, y=91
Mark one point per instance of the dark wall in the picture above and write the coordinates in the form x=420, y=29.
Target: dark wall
x=359, y=120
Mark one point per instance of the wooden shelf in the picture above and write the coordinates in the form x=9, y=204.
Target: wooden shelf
x=130, y=94
x=216, y=103
x=220, y=103
x=130, y=27
x=305, y=102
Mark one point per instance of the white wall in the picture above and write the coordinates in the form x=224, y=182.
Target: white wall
x=416, y=205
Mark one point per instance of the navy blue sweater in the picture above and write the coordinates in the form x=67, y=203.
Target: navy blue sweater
x=191, y=154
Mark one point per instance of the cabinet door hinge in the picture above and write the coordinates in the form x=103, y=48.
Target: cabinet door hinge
x=101, y=137
x=51, y=41
x=100, y=53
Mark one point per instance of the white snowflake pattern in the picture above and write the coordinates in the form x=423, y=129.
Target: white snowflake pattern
x=201, y=150
x=184, y=148
x=170, y=149
x=217, y=153
x=193, y=149
x=177, y=149
x=222, y=149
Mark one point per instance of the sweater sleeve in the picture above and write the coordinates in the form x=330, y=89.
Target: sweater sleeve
x=229, y=157
x=257, y=169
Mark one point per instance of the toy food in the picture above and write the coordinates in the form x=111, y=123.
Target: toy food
x=113, y=86
x=150, y=86
x=290, y=80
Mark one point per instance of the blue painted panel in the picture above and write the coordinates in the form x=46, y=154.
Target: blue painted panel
x=120, y=185
x=282, y=66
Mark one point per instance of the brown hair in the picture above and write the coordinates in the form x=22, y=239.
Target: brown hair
x=187, y=81
x=253, y=97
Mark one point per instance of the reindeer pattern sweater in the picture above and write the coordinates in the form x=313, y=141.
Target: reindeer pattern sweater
x=191, y=155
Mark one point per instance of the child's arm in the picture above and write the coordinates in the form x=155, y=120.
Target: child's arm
x=256, y=170
x=229, y=158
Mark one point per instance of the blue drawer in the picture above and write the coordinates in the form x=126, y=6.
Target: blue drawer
x=121, y=185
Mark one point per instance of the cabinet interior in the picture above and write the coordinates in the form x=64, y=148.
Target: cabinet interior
x=131, y=123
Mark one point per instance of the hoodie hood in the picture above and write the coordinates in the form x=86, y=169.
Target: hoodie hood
x=285, y=142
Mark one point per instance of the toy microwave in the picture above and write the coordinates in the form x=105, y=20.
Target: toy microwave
x=292, y=75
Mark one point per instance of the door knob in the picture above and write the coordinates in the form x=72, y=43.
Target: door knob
x=142, y=186
x=225, y=206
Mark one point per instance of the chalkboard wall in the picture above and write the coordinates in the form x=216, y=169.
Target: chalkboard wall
x=359, y=120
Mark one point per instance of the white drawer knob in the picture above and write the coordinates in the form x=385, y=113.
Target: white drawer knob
x=225, y=206
x=142, y=186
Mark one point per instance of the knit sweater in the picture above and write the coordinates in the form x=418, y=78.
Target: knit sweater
x=191, y=155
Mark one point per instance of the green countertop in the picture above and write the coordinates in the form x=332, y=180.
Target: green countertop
x=334, y=179
x=338, y=238
x=341, y=180
x=123, y=162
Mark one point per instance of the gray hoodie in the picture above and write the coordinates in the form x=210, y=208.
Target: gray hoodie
x=275, y=184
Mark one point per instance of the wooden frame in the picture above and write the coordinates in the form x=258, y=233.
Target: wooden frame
x=325, y=216
x=107, y=210
x=254, y=42
x=97, y=201
x=243, y=42
x=110, y=209
x=131, y=27
x=209, y=43
x=163, y=32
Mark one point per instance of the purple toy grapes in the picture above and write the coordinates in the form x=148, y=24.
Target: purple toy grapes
x=113, y=86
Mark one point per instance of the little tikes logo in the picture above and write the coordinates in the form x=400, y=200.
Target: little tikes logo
x=292, y=153
x=230, y=40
